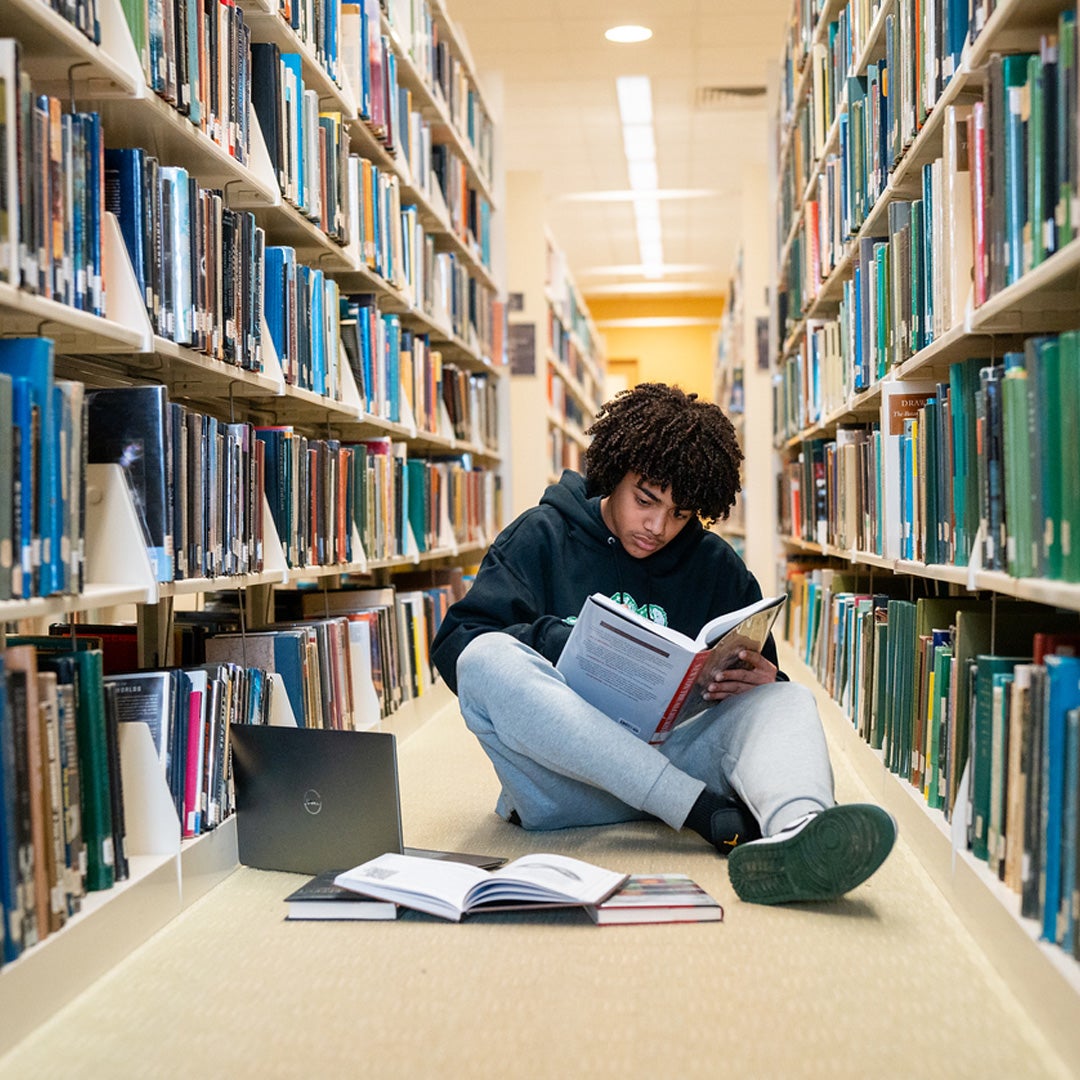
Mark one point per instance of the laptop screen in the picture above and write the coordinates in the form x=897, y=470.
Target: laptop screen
x=310, y=800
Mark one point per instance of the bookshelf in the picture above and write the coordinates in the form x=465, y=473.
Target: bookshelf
x=925, y=232
x=556, y=352
x=430, y=272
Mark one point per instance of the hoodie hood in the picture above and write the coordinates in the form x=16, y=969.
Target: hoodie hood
x=585, y=524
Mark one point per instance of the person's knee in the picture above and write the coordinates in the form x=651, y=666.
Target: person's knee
x=476, y=660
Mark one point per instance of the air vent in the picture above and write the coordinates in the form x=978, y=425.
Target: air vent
x=728, y=97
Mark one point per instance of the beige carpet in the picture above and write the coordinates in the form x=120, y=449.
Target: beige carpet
x=885, y=983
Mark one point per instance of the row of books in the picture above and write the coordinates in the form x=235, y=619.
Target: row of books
x=199, y=265
x=345, y=659
x=196, y=482
x=444, y=73
x=197, y=57
x=1026, y=159
x=471, y=400
x=972, y=470
x=50, y=207
x=976, y=704
x=63, y=816
x=42, y=473
x=303, y=319
x=308, y=147
x=1000, y=199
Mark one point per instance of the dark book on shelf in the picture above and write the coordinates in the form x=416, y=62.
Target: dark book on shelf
x=129, y=426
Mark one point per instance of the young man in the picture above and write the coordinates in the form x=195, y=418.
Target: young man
x=660, y=462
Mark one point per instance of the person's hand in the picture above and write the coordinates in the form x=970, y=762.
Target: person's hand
x=752, y=670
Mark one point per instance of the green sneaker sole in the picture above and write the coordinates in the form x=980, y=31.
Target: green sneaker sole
x=837, y=850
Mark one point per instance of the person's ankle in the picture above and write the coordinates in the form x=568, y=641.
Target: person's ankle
x=724, y=821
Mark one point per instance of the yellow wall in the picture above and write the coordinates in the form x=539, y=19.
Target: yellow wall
x=681, y=355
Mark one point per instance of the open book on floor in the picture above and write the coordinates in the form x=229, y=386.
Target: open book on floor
x=452, y=890
x=648, y=677
x=657, y=898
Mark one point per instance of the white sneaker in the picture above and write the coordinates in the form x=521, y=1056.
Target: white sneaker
x=820, y=856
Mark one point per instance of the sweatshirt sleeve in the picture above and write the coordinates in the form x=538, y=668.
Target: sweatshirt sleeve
x=500, y=599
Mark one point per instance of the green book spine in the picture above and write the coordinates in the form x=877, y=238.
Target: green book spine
x=1018, y=479
x=917, y=270
x=1066, y=129
x=1049, y=422
x=1034, y=240
x=135, y=14
x=982, y=745
x=884, y=315
x=97, y=819
x=1069, y=404
x=935, y=766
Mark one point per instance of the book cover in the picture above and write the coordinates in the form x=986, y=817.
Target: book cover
x=647, y=677
x=657, y=898
x=320, y=898
x=130, y=426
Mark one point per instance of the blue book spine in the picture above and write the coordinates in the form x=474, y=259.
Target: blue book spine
x=30, y=360
x=124, y=197
x=276, y=302
x=1063, y=694
x=1067, y=916
x=319, y=344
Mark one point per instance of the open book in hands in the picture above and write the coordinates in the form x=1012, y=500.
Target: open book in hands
x=650, y=678
x=451, y=890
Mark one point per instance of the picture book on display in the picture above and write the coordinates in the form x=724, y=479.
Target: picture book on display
x=650, y=678
x=452, y=890
x=657, y=898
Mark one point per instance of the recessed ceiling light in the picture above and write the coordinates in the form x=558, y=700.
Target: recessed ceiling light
x=628, y=35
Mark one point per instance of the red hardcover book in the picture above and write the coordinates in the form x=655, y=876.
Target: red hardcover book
x=979, y=208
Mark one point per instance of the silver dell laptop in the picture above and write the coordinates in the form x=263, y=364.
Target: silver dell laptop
x=310, y=800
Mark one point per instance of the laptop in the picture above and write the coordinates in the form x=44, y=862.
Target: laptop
x=310, y=800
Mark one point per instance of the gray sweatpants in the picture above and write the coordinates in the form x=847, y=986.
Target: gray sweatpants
x=563, y=763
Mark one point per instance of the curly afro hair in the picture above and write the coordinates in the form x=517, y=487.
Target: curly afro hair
x=672, y=440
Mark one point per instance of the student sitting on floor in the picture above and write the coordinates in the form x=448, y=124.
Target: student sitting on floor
x=752, y=774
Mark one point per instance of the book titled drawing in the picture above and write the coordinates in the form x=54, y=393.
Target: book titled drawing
x=650, y=678
x=452, y=890
x=657, y=898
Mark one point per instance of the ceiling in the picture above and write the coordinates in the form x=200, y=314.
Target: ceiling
x=550, y=77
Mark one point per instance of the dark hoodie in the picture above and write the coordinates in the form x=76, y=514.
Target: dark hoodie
x=544, y=564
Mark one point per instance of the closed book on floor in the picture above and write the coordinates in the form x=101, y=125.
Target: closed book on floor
x=657, y=898
x=320, y=899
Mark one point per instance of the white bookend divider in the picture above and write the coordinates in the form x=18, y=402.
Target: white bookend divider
x=281, y=713
x=124, y=302
x=115, y=549
x=271, y=362
x=350, y=392
x=359, y=555
x=262, y=168
x=150, y=822
x=408, y=417
x=446, y=425
x=273, y=553
x=117, y=42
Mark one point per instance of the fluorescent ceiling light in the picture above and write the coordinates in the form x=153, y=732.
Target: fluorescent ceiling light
x=643, y=176
x=633, y=269
x=630, y=195
x=635, y=99
x=628, y=35
x=638, y=142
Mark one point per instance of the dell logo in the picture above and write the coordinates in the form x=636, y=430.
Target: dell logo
x=312, y=801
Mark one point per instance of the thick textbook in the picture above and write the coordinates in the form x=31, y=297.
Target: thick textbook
x=452, y=890
x=320, y=898
x=657, y=898
x=650, y=678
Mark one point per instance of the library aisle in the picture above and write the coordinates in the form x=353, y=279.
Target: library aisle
x=885, y=983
